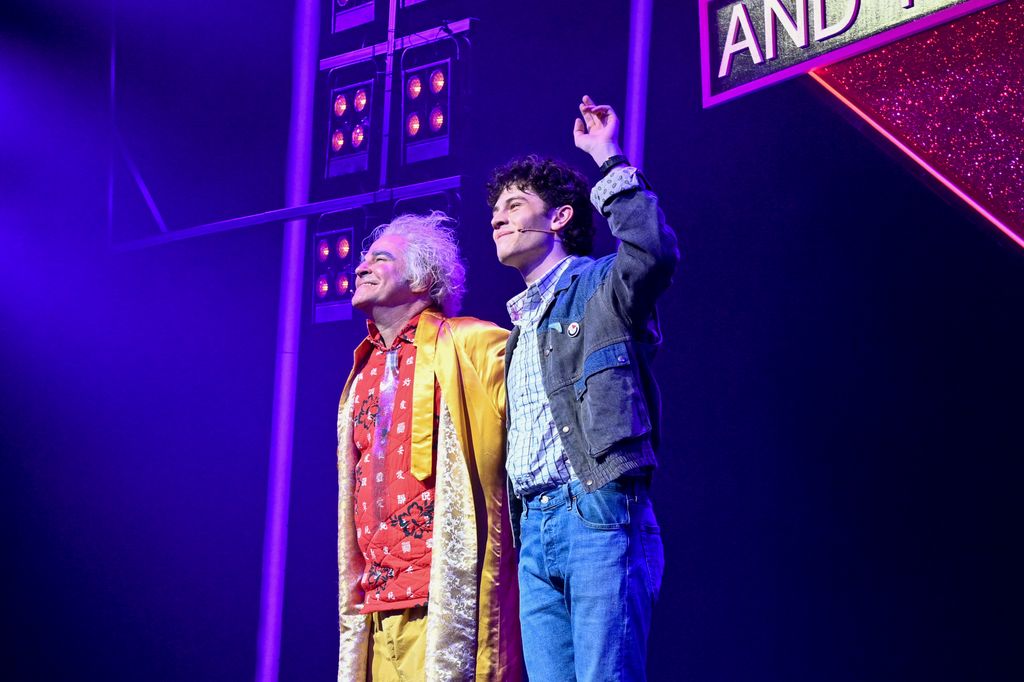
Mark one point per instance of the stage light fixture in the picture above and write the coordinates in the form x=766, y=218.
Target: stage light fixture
x=350, y=128
x=334, y=275
x=426, y=111
x=415, y=87
x=340, y=105
x=358, y=134
x=437, y=81
x=344, y=247
x=436, y=118
x=323, y=287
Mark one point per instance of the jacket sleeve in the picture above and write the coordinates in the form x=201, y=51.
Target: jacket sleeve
x=648, y=251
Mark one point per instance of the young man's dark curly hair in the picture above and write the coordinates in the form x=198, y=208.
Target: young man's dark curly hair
x=557, y=184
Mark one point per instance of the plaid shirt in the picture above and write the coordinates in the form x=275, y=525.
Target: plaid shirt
x=536, y=460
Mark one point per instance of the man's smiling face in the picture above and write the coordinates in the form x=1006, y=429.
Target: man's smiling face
x=382, y=277
x=521, y=226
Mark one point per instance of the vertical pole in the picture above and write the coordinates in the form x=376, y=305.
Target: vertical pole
x=113, y=122
x=289, y=324
x=389, y=66
x=636, y=79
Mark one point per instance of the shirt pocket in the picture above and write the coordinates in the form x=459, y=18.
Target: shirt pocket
x=612, y=406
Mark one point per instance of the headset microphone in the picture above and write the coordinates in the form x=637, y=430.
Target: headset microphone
x=542, y=231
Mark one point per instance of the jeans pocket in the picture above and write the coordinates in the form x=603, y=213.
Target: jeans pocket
x=654, y=558
x=603, y=509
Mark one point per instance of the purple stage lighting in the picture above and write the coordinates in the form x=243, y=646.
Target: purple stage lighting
x=323, y=287
x=334, y=276
x=340, y=105
x=436, y=118
x=425, y=111
x=412, y=124
x=344, y=247
x=358, y=135
x=342, y=285
x=338, y=140
x=337, y=270
x=415, y=87
x=437, y=81
x=350, y=126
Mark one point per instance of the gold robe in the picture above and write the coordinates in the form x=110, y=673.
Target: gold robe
x=472, y=613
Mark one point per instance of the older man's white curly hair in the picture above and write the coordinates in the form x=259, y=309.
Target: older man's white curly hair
x=432, y=258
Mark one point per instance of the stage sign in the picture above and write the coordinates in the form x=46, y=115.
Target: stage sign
x=749, y=44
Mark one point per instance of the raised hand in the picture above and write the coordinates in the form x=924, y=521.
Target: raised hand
x=597, y=133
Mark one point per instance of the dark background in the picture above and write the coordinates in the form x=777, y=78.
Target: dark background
x=842, y=372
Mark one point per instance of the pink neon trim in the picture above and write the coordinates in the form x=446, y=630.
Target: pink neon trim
x=921, y=162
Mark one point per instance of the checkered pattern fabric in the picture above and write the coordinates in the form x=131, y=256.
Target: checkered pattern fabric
x=536, y=460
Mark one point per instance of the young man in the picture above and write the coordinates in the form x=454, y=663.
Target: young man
x=425, y=559
x=583, y=405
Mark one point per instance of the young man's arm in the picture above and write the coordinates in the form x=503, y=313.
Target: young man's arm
x=649, y=251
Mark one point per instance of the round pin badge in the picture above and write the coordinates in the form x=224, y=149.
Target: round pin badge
x=573, y=329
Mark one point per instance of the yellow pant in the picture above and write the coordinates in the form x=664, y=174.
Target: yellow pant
x=399, y=645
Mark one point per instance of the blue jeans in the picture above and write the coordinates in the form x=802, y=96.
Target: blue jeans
x=590, y=570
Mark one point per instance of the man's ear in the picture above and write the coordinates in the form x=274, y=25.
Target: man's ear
x=560, y=217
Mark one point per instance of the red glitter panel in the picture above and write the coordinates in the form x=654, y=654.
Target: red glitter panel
x=953, y=99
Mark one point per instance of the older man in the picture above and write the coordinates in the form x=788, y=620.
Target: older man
x=426, y=565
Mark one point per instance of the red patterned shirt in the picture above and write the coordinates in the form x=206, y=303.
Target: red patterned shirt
x=394, y=512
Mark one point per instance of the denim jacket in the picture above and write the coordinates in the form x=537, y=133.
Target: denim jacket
x=597, y=339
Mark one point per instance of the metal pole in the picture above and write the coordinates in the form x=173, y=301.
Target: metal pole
x=389, y=65
x=113, y=122
x=300, y=146
x=636, y=79
x=284, y=214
